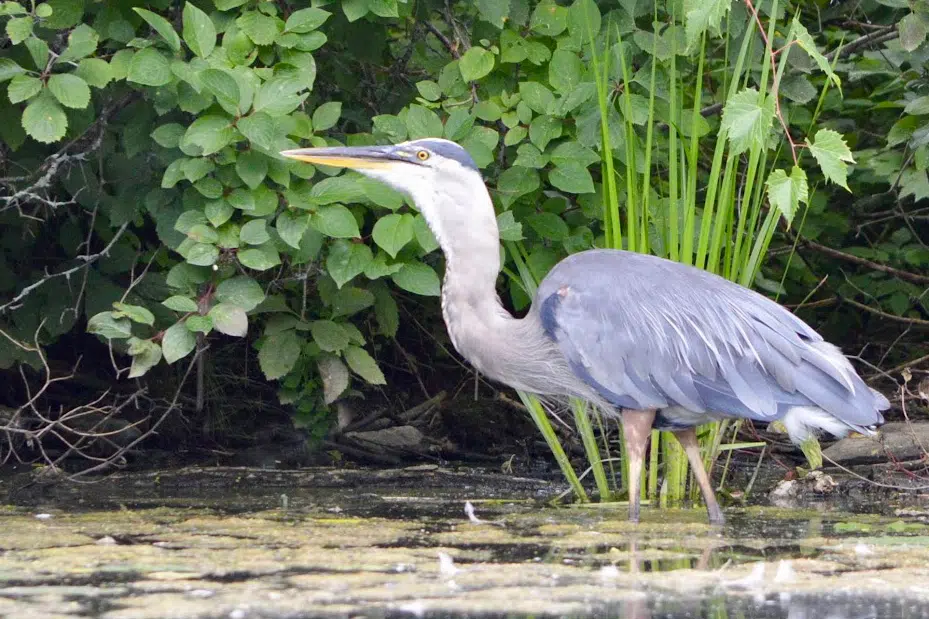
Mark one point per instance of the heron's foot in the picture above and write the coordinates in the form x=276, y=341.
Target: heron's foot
x=716, y=516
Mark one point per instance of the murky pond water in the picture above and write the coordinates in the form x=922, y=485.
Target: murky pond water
x=228, y=543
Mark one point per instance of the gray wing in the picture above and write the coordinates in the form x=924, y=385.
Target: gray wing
x=650, y=333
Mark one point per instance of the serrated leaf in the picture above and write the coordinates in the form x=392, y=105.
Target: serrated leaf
x=162, y=26
x=832, y=154
x=110, y=326
x=82, y=42
x=334, y=375
x=364, y=365
x=805, y=41
x=149, y=68
x=23, y=87
x=135, y=313
x=95, y=72
x=229, y=319
x=44, y=120
x=199, y=324
x=572, y=177
x=702, y=15
x=329, y=335
x=177, y=343
x=476, y=63
x=279, y=354
x=510, y=229
x=180, y=303
x=19, y=29
x=747, y=120
x=9, y=69
x=418, y=278
x=70, y=90
x=326, y=115
x=392, y=232
x=198, y=31
x=787, y=192
x=241, y=291
x=347, y=260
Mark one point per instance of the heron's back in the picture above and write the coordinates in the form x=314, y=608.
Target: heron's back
x=646, y=332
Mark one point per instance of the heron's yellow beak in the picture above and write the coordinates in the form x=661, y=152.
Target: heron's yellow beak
x=355, y=158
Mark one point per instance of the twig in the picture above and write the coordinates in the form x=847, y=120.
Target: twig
x=882, y=314
x=835, y=253
x=878, y=36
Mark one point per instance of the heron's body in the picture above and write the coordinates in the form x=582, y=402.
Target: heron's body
x=668, y=345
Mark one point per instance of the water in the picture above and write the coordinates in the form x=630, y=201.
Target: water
x=231, y=543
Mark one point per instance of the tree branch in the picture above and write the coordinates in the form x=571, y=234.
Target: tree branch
x=835, y=253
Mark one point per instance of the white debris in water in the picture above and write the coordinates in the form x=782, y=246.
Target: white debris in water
x=238, y=613
x=609, y=572
x=106, y=540
x=447, y=565
x=43, y=516
x=785, y=573
x=863, y=550
x=469, y=512
x=752, y=581
x=417, y=608
x=201, y=593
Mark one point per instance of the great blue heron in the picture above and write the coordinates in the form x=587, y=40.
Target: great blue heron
x=668, y=345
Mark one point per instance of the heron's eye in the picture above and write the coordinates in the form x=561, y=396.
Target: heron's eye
x=422, y=155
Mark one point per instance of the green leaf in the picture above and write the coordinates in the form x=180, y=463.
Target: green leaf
x=385, y=310
x=198, y=31
x=218, y=212
x=424, y=235
x=334, y=375
x=306, y=20
x=326, y=115
x=82, y=42
x=422, y=122
x=543, y=130
x=221, y=85
x=145, y=355
x=291, y=227
x=494, y=11
x=347, y=260
x=747, y=120
x=110, y=326
x=564, y=71
x=329, y=335
x=393, y=232
x=279, y=96
x=364, y=365
x=260, y=258
x=19, y=29
x=429, y=90
x=702, y=15
x=44, y=10
x=913, y=30
x=44, y=120
x=202, y=254
x=805, y=41
x=418, y=278
x=259, y=128
x=39, y=51
x=252, y=168
x=515, y=182
x=241, y=291
x=336, y=221
x=476, y=63
x=199, y=324
x=149, y=68
x=23, y=87
x=135, y=313
x=572, y=177
x=918, y=106
x=787, y=192
x=211, y=133
x=549, y=226
x=832, y=154
x=95, y=72
x=279, y=354
x=179, y=303
x=229, y=319
x=162, y=26
x=260, y=28
x=549, y=19
x=9, y=69
x=510, y=229
x=583, y=21
x=383, y=8
x=178, y=342
x=255, y=232
x=70, y=90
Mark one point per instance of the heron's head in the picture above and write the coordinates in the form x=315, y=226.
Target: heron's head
x=422, y=169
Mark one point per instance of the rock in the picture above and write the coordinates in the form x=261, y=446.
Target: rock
x=905, y=441
x=402, y=438
x=794, y=492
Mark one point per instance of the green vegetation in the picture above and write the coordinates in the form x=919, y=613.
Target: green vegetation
x=784, y=146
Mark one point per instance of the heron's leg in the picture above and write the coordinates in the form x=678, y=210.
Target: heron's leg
x=637, y=427
x=688, y=440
